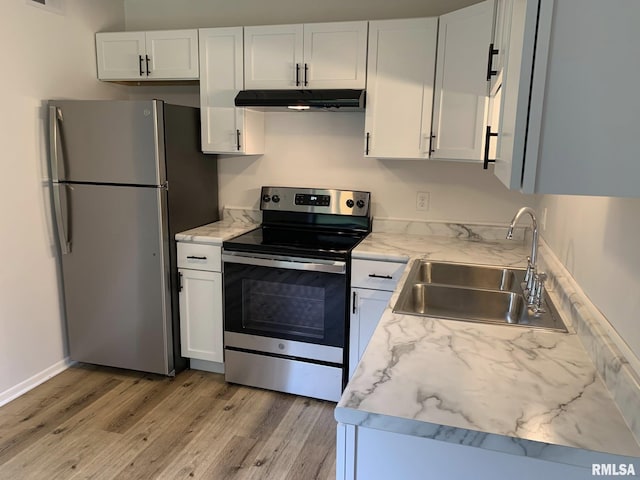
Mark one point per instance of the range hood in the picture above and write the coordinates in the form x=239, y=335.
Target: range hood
x=338, y=100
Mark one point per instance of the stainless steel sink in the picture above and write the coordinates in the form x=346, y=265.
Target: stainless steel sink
x=471, y=276
x=475, y=293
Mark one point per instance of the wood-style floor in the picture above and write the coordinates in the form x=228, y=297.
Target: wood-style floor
x=101, y=423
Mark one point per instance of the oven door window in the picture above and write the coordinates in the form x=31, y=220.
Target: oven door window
x=289, y=304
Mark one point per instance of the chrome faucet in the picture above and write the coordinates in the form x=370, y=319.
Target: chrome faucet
x=533, y=285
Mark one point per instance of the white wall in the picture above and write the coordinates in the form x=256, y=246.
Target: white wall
x=325, y=149
x=597, y=239
x=44, y=55
x=160, y=14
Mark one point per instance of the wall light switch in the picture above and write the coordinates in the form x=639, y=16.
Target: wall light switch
x=422, y=201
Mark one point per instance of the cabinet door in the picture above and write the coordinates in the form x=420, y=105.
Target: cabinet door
x=201, y=327
x=367, y=307
x=335, y=55
x=520, y=29
x=119, y=55
x=499, y=42
x=461, y=94
x=173, y=54
x=225, y=127
x=400, y=73
x=273, y=57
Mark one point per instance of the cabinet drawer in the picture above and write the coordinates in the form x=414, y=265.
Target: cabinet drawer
x=376, y=274
x=198, y=256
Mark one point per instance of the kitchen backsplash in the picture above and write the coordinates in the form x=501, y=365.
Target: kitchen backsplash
x=470, y=231
x=617, y=368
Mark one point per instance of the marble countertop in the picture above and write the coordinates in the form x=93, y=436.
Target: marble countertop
x=215, y=233
x=518, y=390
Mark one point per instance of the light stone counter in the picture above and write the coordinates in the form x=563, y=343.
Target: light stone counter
x=235, y=222
x=517, y=390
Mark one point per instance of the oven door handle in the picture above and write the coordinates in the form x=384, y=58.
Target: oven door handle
x=296, y=263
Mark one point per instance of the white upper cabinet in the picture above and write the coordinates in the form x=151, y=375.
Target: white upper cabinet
x=460, y=96
x=320, y=55
x=400, y=76
x=226, y=128
x=156, y=55
x=335, y=55
x=273, y=56
x=569, y=106
x=514, y=89
x=499, y=43
x=121, y=55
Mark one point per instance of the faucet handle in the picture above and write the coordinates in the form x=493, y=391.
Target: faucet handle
x=536, y=296
x=527, y=274
x=528, y=283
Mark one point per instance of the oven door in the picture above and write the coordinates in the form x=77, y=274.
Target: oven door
x=295, y=299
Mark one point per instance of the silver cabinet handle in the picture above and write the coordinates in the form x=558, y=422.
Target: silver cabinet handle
x=355, y=302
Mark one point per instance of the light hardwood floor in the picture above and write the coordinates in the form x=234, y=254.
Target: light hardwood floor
x=101, y=423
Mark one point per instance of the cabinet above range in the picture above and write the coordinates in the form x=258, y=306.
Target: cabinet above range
x=306, y=56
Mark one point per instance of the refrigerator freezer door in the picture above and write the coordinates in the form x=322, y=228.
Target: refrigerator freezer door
x=103, y=141
x=116, y=278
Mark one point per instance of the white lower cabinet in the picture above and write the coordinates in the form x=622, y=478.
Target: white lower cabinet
x=367, y=308
x=365, y=453
x=201, y=322
x=372, y=283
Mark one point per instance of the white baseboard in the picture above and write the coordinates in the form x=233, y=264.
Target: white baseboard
x=32, y=382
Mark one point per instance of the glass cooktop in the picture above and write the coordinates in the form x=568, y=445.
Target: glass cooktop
x=295, y=242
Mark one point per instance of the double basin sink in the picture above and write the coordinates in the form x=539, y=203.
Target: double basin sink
x=475, y=293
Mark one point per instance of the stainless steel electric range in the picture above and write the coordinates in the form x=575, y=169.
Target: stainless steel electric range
x=286, y=291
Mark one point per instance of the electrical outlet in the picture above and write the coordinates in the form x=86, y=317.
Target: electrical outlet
x=422, y=201
x=544, y=219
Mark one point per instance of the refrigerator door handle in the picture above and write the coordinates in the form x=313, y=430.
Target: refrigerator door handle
x=61, y=225
x=57, y=163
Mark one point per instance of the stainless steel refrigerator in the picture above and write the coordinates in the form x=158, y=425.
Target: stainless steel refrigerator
x=126, y=177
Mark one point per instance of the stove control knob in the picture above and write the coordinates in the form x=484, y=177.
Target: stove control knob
x=266, y=198
x=360, y=203
x=275, y=198
x=350, y=203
